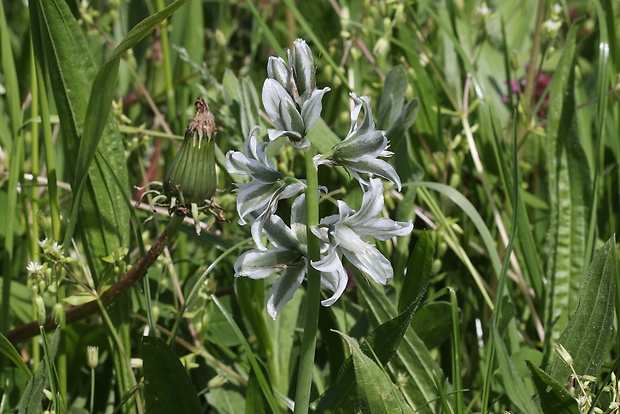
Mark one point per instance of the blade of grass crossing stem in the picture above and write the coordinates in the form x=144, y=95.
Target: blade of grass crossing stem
x=514, y=385
x=8, y=350
x=16, y=149
x=569, y=199
x=457, y=379
x=262, y=380
x=469, y=209
x=198, y=286
x=527, y=244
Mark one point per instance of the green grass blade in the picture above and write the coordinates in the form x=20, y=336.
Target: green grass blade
x=9, y=351
x=15, y=145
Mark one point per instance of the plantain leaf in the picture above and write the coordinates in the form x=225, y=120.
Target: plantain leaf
x=420, y=269
x=590, y=328
x=569, y=198
x=375, y=391
x=167, y=387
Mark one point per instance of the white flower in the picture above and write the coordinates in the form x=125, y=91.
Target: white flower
x=34, y=267
x=360, y=150
x=344, y=235
x=258, y=199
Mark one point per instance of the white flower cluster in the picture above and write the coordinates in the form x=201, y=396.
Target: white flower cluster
x=294, y=104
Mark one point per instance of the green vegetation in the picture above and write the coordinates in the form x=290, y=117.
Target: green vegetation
x=119, y=294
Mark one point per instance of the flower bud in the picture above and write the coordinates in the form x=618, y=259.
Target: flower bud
x=58, y=313
x=40, y=309
x=92, y=356
x=277, y=70
x=191, y=177
x=302, y=64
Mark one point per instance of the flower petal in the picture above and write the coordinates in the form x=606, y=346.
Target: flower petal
x=284, y=288
x=277, y=69
x=311, y=109
x=333, y=275
x=273, y=94
x=374, y=166
x=364, y=256
x=257, y=264
x=370, y=144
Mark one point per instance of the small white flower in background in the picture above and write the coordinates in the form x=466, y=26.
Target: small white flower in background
x=360, y=150
x=34, y=267
x=552, y=27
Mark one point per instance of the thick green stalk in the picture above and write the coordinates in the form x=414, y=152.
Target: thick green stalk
x=313, y=294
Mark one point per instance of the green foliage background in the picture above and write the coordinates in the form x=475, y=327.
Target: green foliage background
x=506, y=138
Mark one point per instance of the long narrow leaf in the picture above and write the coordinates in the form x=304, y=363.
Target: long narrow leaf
x=569, y=197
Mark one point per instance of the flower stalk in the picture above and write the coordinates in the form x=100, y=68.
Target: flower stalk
x=313, y=292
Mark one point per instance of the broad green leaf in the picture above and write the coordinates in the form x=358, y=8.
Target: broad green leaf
x=103, y=217
x=167, y=387
x=412, y=357
x=552, y=396
x=226, y=400
x=103, y=89
x=433, y=323
x=8, y=350
x=31, y=399
x=375, y=391
x=590, y=328
x=569, y=198
x=419, y=271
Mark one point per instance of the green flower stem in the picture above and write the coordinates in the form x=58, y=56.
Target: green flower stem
x=77, y=313
x=313, y=294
